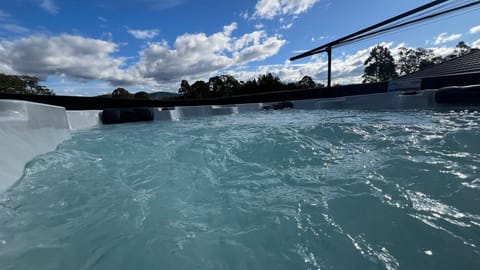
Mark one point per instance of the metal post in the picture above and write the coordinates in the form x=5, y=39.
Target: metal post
x=329, y=52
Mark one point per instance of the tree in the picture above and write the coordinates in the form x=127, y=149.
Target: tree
x=185, y=89
x=411, y=60
x=27, y=85
x=10, y=84
x=216, y=86
x=427, y=58
x=460, y=50
x=249, y=87
x=121, y=93
x=231, y=84
x=380, y=66
x=224, y=85
x=306, y=82
x=268, y=82
x=227, y=85
x=200, y=89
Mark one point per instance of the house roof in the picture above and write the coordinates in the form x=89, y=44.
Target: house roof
x=469, y=63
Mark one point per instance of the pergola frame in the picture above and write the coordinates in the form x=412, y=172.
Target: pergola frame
x=362, y=34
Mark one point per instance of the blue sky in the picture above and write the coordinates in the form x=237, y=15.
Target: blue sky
x=90, y=47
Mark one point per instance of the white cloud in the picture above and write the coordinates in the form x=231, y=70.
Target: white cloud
x=269, y=9
x=476, y=44
x=86, y=59
x=259, y=26
x=320, y=38
x=475, y=29
x=287, y=26
x=63, y=86
x=49, y=6
x=258, y=51
x=144, y=34
x=442, y=51
x=445, y=37
x=199, y=55
x=244, y=15
x=103, y=19
x=14, y=28
x=77, y=57
x=247, y=39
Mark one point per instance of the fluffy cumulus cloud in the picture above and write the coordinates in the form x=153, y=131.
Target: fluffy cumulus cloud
x=269, y=9
x=198, y=55
x=445, y=37
x=77, y=57
x=144, y=34
x=84, y=59
x=442, y=51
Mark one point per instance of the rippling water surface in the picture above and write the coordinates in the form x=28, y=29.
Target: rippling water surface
x=270, y=190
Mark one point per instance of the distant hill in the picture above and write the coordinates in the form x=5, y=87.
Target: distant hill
x=104, y=96
x=153, y=96
x=162, y=95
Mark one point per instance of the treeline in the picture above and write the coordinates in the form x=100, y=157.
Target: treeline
x=125, y=94
x=22, y=84
x=381, y=65
x=227, y=85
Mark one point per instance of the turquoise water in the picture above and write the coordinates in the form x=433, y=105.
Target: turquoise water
x=268, y=190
